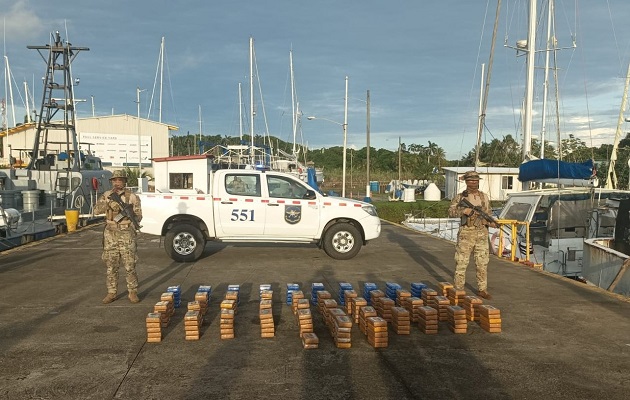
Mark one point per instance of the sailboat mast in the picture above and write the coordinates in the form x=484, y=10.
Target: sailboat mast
x=293, y=113
x=161, y=77
x=543, y=127
x=480, y=119
x=240, y=113
x=251, y=96
x=529, y=82
x=611, y=177
x=199, y=128
x=10, y=86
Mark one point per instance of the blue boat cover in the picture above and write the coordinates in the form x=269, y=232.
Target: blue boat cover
x=549, y=169
x=311, y=179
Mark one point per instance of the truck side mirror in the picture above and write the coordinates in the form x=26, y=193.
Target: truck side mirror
x=309, y=195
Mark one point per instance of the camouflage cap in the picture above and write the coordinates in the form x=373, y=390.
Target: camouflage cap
x=470, y=176
x=118, y=174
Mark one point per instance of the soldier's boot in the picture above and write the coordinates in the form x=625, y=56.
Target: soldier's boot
x=484, y=294
x=109, y=298
x=133, y=296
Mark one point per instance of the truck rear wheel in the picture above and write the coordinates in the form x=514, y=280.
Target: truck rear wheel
x=184, y=243
x=342, y=241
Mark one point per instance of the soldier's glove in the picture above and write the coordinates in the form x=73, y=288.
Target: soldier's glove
x=114, y=206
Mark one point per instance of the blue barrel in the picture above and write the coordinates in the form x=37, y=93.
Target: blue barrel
x=374, y=186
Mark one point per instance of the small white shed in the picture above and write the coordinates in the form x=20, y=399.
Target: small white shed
x=497, y=182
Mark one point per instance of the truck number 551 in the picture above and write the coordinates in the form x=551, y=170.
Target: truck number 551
x=242, y=215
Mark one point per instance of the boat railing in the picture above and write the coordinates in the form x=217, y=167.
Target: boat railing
x=512, y=227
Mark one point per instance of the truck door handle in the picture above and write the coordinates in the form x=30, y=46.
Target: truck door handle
x=226, y=202
x=273, y=204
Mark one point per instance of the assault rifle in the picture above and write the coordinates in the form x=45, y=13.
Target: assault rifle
x=126, y=210
x=467, y=204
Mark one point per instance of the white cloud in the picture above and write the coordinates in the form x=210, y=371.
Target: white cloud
x=21, y=22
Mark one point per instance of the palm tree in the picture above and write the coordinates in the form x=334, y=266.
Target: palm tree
x=133, y=175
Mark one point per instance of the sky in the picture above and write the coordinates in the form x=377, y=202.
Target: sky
x=420, y=60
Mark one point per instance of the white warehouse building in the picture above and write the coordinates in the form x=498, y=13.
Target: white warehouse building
x=118, y=140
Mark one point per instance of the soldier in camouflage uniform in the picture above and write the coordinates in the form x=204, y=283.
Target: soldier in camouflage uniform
x=119, y=237
x=473, y=235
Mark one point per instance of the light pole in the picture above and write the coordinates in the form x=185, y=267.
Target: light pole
x=345, y=138
x=367, y=131
x=139, y=137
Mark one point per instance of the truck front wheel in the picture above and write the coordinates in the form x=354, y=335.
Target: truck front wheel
x=184, y=243
x=342, y=241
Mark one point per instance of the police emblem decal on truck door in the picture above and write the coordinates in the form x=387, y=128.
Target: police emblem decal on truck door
x=292, y=214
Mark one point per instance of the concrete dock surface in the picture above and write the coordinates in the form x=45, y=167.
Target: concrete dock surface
x=560, y=339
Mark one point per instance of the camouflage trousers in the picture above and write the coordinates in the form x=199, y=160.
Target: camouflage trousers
x=119, y=247
x=471, y=239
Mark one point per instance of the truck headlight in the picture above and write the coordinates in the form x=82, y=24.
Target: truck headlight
x=370, y=210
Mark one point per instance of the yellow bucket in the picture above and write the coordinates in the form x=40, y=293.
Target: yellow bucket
x=72, y=219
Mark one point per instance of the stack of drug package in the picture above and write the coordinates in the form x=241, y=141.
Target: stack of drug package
x=326, y=307
x=349, y=295
x=413, y=304
x=170, y=297
x=440, y=303
x=457, y=322
x=265, y=312
x=342, y=330
x=192, y=324
x=310, y=340
x=416, y=288
x=367, y=289
x=365, y=312
x=177, y=295
x=305, y=321
x=428, y=320
x=305, y=318
x=456, y=297
x=490, y=318
x=384, y=308
x=401, y=321
x=355, y=307
x=391, y=288
x=322, y=296
x=228, y=311
x=471, y=304
x=443, y=288
x=296, y=299
x=232, y=293
x=376, y=296
x=291, y=287
x=203, y=297
x=401, y=297
x=343, y=286
x=377, y=332
x=154, y=327
x=303, y=315
x=428, y=295
x=166, y=310
x=316, y=287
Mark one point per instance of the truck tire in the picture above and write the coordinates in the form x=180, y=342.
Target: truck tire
x=184, y=243
x=342, y=241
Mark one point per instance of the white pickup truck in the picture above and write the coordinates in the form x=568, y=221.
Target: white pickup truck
x=241, y=205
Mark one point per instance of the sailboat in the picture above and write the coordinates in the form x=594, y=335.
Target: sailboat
x=264, y=156
x=291, y=163
x=553, y=222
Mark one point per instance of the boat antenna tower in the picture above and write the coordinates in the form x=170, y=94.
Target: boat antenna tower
x=58, y=95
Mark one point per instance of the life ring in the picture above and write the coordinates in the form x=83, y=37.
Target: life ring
x=95, y=183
